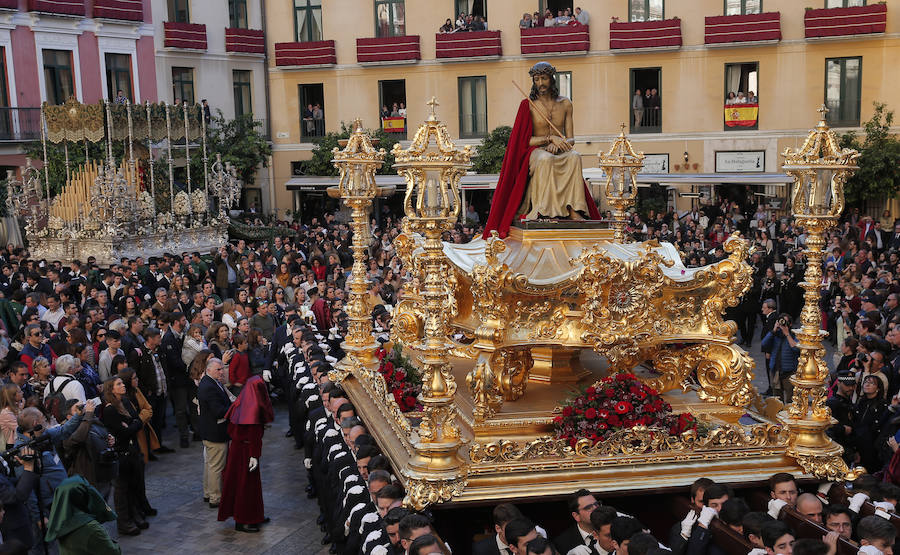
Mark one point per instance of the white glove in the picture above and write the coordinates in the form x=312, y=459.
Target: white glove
x=706, y=516
x=775, y=506
x=688, y=524
x=254, y=463
x=856, y=502
x=870, y=549
x=884, y=506
x=883, y=514
x=307, y=463
x=824, y=488
x=267, y=376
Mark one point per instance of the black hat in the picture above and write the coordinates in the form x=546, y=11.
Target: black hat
x=846, y=377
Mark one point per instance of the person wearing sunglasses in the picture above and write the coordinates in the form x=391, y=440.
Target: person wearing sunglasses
x=35, y=346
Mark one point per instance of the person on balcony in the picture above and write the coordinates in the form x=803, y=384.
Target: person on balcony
x=582, y=16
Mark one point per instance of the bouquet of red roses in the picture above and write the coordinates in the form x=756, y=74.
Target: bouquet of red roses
x=403, y=380
x=616, y=403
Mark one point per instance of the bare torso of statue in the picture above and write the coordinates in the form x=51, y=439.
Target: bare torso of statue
x=556, y=185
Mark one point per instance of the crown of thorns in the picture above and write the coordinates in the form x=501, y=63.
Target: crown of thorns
x=542, y=68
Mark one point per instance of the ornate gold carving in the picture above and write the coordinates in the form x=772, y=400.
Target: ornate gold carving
x=636, y=441
x=422, y=492
x=820, y=169
x=358, y=162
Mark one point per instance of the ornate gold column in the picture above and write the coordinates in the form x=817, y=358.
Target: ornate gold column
x=820, y=169
x=358, y=162
x=621, y=165
x=432, y=170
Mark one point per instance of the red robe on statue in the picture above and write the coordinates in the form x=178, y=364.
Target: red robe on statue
x=514, y=177
x=242, y=489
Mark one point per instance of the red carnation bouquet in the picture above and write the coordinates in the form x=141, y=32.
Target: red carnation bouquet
x=615, y=403
x=403, y=380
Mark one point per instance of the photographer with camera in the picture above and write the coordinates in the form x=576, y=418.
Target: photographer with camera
x=88, y=451
x=47, y=472
x=782, y=344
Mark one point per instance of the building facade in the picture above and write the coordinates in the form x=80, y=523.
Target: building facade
x=51, y=50
x=215, y=50
x=690, y=54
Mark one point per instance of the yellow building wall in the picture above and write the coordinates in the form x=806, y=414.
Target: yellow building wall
x=791, y=78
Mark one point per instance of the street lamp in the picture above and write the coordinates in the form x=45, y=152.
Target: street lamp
x=819, y=168
x=621, y=165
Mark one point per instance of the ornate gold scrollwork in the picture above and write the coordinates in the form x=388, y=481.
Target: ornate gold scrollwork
x=636, y=441
x=724, y=372
x=619, y=302
x=421, y=493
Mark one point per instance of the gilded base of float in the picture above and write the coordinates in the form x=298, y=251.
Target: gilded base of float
x=512, y=456
x=109, y=249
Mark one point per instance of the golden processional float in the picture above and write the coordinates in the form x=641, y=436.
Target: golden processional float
x=531, y=305
x=123, y=202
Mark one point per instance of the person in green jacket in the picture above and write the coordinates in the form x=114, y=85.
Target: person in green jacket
x=76, y=517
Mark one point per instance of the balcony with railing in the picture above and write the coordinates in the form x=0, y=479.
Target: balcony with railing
x=399, y=49
x=189, y=36
x=245, y=41
x=838, y=22
x=566, y=38
x=725, y=29
x=311, y=128
x=57, y=7
x=311, y=53
x=473, y=44
x=128, y=10
x=665, y=33
x=20, y=124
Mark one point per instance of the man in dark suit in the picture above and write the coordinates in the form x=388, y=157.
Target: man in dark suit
x=214, y=403
x=496, y=544
x=581, y=505
x=769, y=317
x=152, y=380
x=177, y=376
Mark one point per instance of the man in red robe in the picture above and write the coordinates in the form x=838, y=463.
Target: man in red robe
x=537, y=150
x=241, y=484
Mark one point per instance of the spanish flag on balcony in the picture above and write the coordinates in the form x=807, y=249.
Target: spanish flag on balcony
x=393, y=125
x=741, y=115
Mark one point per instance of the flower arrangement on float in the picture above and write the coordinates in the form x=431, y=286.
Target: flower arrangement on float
x=403, y=380
x=616, y=403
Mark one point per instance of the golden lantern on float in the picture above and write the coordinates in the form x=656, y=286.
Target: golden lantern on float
x=358, y=162
x=621, y=165
x=432, y=167
x=819, y=168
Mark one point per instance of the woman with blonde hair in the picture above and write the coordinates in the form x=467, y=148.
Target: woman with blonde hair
x=11, y=402
x=41, y=368
x=229, y=316
x=193, y=344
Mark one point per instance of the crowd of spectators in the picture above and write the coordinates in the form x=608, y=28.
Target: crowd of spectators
x=101, y=361
x=562, y=18
x=464, y=22
x=741, y=98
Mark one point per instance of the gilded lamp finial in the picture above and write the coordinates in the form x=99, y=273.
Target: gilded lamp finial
x=622, y=125
x=433, y=104
x=823, y=109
